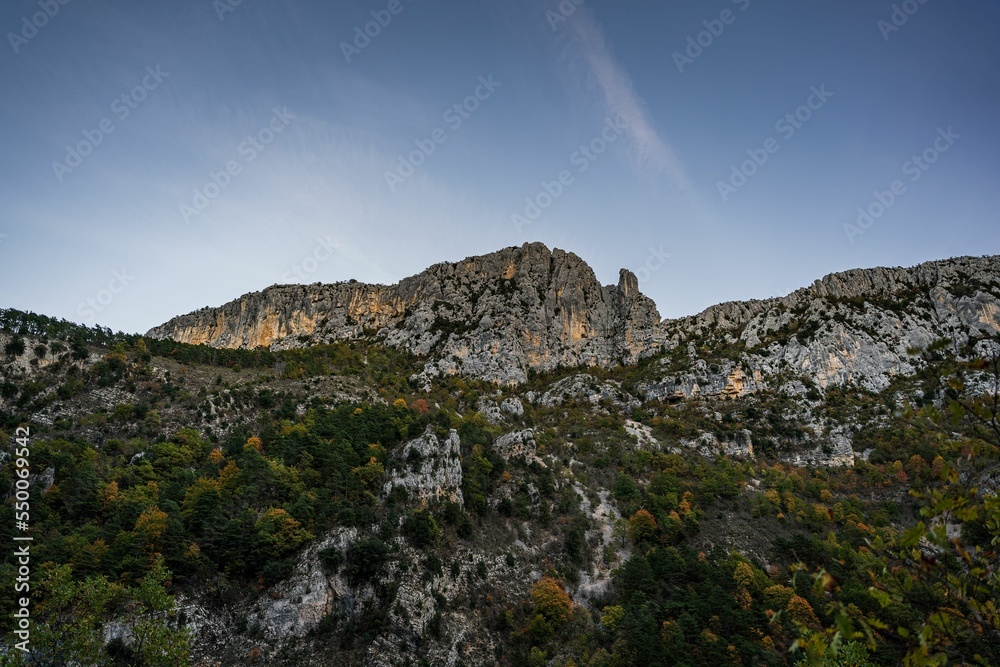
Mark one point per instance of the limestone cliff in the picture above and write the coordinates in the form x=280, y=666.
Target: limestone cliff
x=496, y=316
x=492, y=316
x=851, y=327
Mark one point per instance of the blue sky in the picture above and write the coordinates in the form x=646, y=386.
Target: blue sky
x=157, y=158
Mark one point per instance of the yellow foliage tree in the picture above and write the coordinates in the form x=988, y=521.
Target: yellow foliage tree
x=551, y=602
x=370, y=473
x=279, y=532
x=612, y=616
x=801, y=612
x=777, y=597
x=151, y=525
x=642, y=525
x=228, y=475
x=108, y=494
x=743, y=575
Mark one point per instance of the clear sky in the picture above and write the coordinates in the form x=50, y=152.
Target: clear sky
x=156, y=158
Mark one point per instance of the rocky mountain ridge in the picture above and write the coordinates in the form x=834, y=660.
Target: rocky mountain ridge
x=316, y=508
x=492, y=316
x=497, y=316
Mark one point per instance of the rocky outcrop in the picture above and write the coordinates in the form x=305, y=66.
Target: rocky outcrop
x=585, y=387
x=741, y=446
x=518, y=445
x=433, y=469
x=727, y=381
x=496, y=413
x=642, y=434
x=316, y=594
x=835, y=452
x=493, y=316
x=856, y=327
x=496, y=316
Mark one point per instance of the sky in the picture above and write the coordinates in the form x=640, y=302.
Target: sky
x=156, y=158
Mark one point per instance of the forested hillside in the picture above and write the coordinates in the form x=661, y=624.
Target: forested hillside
x=325, y=506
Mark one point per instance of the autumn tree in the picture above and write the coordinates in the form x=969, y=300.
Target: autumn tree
x=643, y=526
x=278, y=533
x=550, y=601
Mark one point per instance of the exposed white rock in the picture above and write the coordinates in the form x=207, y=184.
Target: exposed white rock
x=643, y=435
x=300, y=602
x=433, y=469
x=512, y=406
x=497, y=316
x=518, y=445
x=597, y=582
x=837, y=452
x=493, y=316
x=490, y=410
x=706, y=444
x=726, y=381
x=587, y=388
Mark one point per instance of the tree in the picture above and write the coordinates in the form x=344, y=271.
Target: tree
x=365, y=559
x=643, y=526
x=68, y=620
x=71, y=618
x=621, y=531
x=851, y=654
x=151, y=525
x=149, y=638
x=801, y=612
x=278, y=533
x=421, y=528
x=370, y=474
x=550, y=601
x=929, y=562
x=15, y=347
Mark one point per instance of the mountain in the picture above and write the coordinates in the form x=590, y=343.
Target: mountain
x=492, y=317
x=502, y=462
x=497, y=316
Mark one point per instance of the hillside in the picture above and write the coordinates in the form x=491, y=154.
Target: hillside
x=500, y=461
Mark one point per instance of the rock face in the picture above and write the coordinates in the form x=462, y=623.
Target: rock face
x=492, y=316
x=850, y=327
x=518, y=445
x=586, y=387
x=836, y=452
x=741, y=445
x=497, y=316
x=313, y=594
x=433, y=469
x=729, y=381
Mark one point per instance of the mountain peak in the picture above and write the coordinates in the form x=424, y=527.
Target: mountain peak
x=493, y=315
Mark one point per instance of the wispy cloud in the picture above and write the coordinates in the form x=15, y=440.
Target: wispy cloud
x=619, y=96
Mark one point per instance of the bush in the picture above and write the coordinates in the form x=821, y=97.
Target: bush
x=15, y=347
x=331, y=558
x=365, y=559
x=421, y=529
